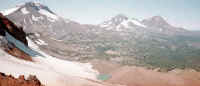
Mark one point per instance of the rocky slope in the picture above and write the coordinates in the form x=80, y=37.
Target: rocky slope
x=10, y=31
x=6, y=80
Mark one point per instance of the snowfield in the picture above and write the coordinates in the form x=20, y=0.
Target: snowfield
x=37, y=18
x=137, y=23
x=48, y=69
x=48, y=14
x=41, y=42
x=25, y=11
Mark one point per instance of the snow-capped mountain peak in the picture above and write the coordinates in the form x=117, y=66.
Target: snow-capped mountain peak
x=9, y=11
x=36, y=17
x=159, y=24
x=121, y=22
x=155, y=21
x=119, y=18
x=42, y=9
x=114, y=21
x=32, y=8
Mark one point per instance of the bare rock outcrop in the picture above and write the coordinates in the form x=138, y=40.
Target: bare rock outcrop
x=13, y=39
x=11, y=28
x=8, y=80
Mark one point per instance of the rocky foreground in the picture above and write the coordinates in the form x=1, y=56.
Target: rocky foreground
x=8, y=80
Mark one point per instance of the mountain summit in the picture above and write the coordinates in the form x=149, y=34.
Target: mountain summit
x=160, y=25
x=28, y=7
x=38, y=18
x=156, y=21
x=121, y=22
x=35, y=6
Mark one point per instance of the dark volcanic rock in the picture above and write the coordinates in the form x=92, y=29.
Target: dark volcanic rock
x=11, y=28
x=12, y=38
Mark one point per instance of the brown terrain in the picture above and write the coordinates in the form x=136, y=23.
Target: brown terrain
x=18, y=53
x=17, y=32
x=138, y=76
x=8, y=80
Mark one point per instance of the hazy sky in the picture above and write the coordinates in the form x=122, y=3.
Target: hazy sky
x=184, y=13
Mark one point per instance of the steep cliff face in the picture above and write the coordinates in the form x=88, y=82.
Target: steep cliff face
x=13, y=39
x=7, y=26
x=8, y=80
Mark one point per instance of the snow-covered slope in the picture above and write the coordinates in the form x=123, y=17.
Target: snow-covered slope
x=9, y=11
x=48, y=14
x=48, y=69
x=24, y=11
x=66, y=67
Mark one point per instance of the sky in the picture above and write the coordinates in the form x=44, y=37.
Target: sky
x=181, y=13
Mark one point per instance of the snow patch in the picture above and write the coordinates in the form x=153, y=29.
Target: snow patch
x=24, y=21
x=137, y=23
x=25, y=11
x=161, y=29
x=56, y=39
x=63, y=67
x=37, y=18
x=9, y=11
x=32, y=45
x=48, y=14
x=41, y=42
x=125, y=23
x=37, y=34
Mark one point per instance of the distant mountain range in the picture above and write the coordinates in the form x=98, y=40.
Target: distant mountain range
x=151, y=42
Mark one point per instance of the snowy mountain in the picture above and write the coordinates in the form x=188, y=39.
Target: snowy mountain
x=120, y=23
x=156, y=24
x=38, y=18
x=32, y=7
x=160, y=25
x=146, y=30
